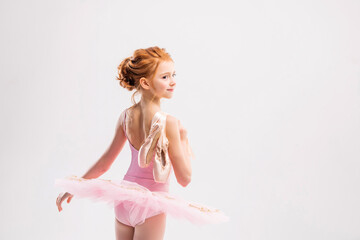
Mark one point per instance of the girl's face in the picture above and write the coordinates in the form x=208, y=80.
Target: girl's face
x=163, y=83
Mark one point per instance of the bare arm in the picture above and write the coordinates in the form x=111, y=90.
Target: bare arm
x=177, y=143
x=104, y=163
x=109, y=156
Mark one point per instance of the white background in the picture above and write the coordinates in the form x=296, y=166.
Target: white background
x=269, y=92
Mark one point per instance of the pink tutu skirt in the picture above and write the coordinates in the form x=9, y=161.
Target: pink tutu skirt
x=138, y=201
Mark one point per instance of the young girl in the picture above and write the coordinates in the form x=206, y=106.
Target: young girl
x=158, y=144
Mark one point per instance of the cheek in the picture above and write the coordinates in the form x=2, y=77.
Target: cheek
x=161, y=85
x=164, y=86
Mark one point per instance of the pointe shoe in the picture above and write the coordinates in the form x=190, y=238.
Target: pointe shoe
x=162, y=164
x=147, y=150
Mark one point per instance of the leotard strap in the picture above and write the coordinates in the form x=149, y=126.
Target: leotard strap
x=124, y=123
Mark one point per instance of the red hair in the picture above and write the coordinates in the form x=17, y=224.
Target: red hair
x=143, y=63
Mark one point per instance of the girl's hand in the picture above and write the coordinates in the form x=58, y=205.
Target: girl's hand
x=61, y=198
x=185, y=141
x=183, y=132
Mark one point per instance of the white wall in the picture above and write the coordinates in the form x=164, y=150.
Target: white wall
x=269, y=92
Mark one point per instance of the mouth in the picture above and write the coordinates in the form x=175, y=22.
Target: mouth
x=171, y=90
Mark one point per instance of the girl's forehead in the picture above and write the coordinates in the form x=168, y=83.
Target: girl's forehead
x=166, y=66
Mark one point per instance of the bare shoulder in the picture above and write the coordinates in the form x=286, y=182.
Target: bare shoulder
x=171, y=119
x=172, y=125
x=120, y=120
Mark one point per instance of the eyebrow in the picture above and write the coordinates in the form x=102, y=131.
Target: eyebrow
x=165, y=72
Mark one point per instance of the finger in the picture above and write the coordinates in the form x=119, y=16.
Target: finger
x=57, y=202
x=59, y=206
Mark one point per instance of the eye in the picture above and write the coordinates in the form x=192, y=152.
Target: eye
x=164, y=77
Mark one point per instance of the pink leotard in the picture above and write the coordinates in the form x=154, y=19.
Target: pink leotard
x=137, y=196
x=131, y=213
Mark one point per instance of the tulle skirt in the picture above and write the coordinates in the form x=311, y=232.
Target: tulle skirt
x=138, y=202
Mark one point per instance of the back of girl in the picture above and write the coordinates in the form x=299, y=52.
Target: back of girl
x=159, y=146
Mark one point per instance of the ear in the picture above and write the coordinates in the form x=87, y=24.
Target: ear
x=144, y=82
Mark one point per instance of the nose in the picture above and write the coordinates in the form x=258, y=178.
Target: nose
x=173, y=83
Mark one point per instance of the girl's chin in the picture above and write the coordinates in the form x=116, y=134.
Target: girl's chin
x=168, y=96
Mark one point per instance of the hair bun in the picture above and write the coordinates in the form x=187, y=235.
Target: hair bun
x=124, y=76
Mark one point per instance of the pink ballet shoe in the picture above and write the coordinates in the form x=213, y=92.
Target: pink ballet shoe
x=147, y=150
x=162, y=164
x=156, y=144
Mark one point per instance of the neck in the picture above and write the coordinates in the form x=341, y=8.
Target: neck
x=149, y=105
